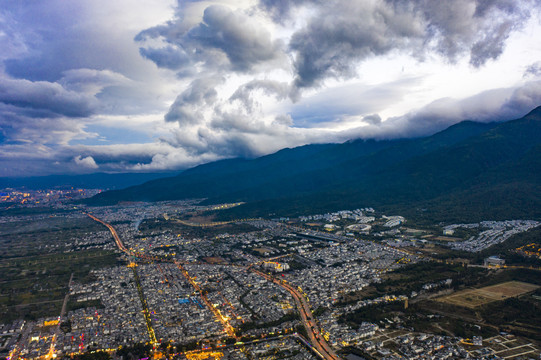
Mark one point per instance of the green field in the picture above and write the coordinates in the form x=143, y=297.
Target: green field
x=35, y=286
x=37, y=258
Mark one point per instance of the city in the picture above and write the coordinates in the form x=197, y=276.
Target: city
x=252, y=288
x=270, y=179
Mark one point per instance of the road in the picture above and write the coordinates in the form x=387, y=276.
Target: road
x=113, y=232
x=14, y=355
x=52, y=350
x=228, y=328
x=23, y=338
x=225, y=323
x=146, y=312
x=120, y=245
x=314, y=333
x=65, y=303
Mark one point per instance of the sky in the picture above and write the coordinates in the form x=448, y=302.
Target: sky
x=134, y=85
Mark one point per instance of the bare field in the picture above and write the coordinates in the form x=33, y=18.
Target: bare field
x=477, y=297
x=262, y=250
x=215, y=260
x=447, y=238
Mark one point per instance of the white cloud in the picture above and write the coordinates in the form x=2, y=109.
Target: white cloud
x=87, y=162
x=139, y=86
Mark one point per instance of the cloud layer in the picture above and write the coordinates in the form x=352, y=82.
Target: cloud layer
x=128, y=86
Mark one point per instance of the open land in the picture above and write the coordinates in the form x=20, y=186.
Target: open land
x=476, y=297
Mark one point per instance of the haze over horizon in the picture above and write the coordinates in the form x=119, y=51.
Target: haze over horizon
x=116, y=86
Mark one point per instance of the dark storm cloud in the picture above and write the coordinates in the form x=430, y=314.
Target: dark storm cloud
x=19, y=128
x=45, y=96
x=205, y=141
x=238, y=121
x=232, y=144
x=491, y=46
x=330, y=40
x=39, y=118
x=245, y=93
x=343, y=33
x=168, y=57
x=37, y=27
x=76, y=46
x=73, y=96
x=484, y=6
x=57, y=40
x=187, y=107
x=477, y=27
x=90, y=80
x=372, y=119
x=110, y=156
x=209, y=125
x=280, y=9
x=245, y=43
x=231, y=135
x=269, y=87
x=68, y=67
x=223, y=38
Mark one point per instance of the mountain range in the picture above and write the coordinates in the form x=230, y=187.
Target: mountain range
x=86, y=181
x=469, y=171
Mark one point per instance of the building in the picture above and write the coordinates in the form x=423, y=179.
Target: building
x=275, y=266
x=494, y=261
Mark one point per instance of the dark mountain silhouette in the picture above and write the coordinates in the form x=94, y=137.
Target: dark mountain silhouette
x=87, y=181
x=486, y=169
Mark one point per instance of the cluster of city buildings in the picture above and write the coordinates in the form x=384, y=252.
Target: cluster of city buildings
x=201, y=289
x=496, y=232
x=32, y=198
x=356, y=215
x=119, y=319
x=343, y=268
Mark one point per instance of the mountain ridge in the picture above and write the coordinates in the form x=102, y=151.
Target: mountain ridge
x=87, y=181
x=387, y=173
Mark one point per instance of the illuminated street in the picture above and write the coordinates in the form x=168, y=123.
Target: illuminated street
x=306, y=313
